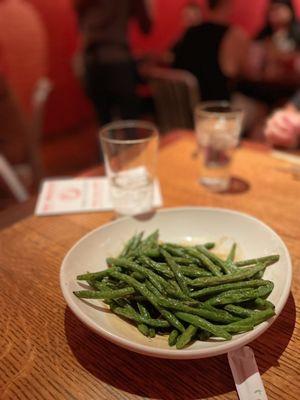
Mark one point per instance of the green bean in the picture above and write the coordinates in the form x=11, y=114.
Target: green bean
x=231, y=255
x=203, y=335
x=186, y=260
x=262, y=304
x=143, y=310
x=194, y=272
x=212, y=315
x=171, y=288
x=152, y=253
x=186, y=337
x=127, y=247
x=179, y=254
x=203, y=324
x=138, y=276
x=173, y=337
x=142, y=327
x=227, y=286
x=223, y=265
x=152, y=288
x=98, y=285
x=171, y=318
x=104, y=294
x=158, y=267
x=241, y=327
x=223, y=313
x=251, y=321
x=152, y=332
x=150, y=297
x=154, y=278
x=267, y=260
x=174, y=290
x=89, y=276
x=209, y=245
x=157, y=323
x=259, y=274
x=168, y=280
x=241, y=275
x=176, y=271
x=137, y=241
x=101, y=285
x=152, y=239
x=240, y=311
x=240, y=295
x=206, y=262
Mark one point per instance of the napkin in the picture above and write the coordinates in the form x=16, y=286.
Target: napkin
x=246, y=375
x=77, y=195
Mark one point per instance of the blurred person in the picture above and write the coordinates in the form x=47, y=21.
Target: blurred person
x=283, y=126
x=273, y=59
x=110, y=76
x=214, y=51
x=282, y=27
x=191, y=16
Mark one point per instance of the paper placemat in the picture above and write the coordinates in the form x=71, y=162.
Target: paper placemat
x=78, y=195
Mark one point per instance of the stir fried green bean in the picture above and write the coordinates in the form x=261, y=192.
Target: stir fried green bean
x=186, y=292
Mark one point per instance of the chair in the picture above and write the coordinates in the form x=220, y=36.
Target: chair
x=16, y=128
x=39, y=100
x=12, y=180
x=175, y=94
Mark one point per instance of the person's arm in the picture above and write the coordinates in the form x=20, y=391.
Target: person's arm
x=140, y=12
x=233, y=54
x=283, y=126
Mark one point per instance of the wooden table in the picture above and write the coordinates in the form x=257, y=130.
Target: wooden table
x=47, y=353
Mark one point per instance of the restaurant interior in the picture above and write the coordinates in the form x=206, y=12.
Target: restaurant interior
x=200, y=101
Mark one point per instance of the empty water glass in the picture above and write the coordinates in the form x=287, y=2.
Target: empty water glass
x=130, y=153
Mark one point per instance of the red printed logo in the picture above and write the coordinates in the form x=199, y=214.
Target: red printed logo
x=70, y=194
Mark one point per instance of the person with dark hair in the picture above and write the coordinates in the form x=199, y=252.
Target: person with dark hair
x=213, y=51
x=282, y=27
x=110, y=75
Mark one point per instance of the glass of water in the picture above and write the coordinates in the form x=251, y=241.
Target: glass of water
x=130, y=153
x=218, y=128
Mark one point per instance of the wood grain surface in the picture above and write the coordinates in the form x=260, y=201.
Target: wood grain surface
x=47, y=353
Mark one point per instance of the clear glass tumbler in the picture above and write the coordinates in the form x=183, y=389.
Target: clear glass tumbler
x=130, y=152
x=218, y=128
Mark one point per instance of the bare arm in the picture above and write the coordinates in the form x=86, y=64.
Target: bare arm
x=234, y=51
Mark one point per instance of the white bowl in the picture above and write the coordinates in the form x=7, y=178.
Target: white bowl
x=254, y=238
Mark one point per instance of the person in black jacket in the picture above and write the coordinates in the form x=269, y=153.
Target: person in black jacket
x=213, y=51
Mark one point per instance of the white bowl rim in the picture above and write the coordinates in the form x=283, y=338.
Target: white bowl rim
x=183, y=354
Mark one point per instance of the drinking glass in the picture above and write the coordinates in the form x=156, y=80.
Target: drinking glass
x=130, y=153
x=218, y=128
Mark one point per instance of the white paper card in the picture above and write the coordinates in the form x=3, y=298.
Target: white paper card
x=248, y=382
x=76, y=195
